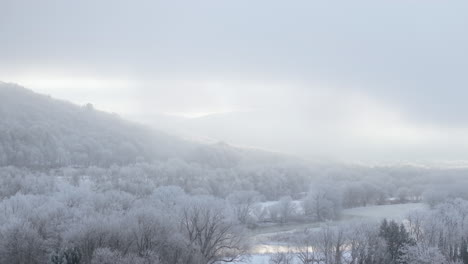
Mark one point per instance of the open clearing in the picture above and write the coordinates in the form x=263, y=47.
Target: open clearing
x=379, y=212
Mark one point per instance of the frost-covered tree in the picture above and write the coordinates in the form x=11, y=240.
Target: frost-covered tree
x=420, y=254
x=323, y=202
x=212, y=231
x=281, y=258
x=243, y=203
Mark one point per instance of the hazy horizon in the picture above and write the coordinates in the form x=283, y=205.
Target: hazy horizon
x=359, y=82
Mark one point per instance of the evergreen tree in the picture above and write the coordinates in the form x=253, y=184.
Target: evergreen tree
x=396, y=238
x=464, y=251
x=66, y=256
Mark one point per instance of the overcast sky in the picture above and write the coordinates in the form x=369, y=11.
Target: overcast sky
x=369, y=81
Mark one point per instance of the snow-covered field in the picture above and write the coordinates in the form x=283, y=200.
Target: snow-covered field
x=379, y=212
x=264, y=246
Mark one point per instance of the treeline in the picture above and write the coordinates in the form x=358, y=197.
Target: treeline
x=341, y=186
x=432, y=236
x=324, y=190
x=349, y=243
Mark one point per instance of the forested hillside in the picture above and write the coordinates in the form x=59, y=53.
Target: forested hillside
x=37, y=131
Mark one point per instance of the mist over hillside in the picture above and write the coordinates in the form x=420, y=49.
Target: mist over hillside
x=41, y=133
x=38, y=131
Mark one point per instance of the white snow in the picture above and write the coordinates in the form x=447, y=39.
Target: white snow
x=379, y=212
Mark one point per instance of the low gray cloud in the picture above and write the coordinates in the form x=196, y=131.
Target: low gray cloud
x=385, y=80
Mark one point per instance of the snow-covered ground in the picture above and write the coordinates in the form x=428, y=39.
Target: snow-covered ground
x=379, y=212
x=264, y=246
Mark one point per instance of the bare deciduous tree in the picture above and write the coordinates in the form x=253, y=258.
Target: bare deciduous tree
x=211, y=231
